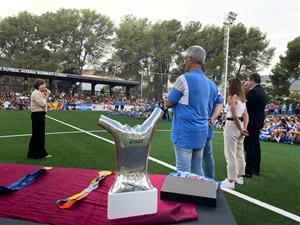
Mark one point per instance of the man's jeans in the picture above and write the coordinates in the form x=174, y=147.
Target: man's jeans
x=208, y=160
x=189, y=160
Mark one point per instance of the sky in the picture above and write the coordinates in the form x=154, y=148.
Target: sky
x=279, y=19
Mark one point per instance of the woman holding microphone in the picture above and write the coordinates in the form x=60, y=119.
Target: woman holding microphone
x=234, y=133
x=38, y=111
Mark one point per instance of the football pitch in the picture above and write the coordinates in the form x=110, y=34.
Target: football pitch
x=74, y=140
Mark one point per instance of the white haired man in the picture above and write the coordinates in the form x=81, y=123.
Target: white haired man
x=189, y=99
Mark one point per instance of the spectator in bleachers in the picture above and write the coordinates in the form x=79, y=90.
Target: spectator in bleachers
x=291, y=129
x=6, y=105
x=272, y=107
x=282, y=129
x=290, y=110
x=13, y=101
x=122, y=103
x=276, y=111
x=280, y=133
x=297, y=109
x=266, y=133
x=296, y=133
x=283, y=109
x=117, y=104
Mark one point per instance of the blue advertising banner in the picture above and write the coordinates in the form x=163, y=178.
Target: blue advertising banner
x=84, y=107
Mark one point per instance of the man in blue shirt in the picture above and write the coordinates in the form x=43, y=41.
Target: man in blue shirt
x=117, y=105
x=122, y=103
x=189, y=99
x=215, y=106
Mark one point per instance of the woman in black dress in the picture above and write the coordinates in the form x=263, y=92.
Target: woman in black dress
x=38, y=108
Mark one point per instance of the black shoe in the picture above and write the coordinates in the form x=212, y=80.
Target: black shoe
x=256, y=173
x=248, y=175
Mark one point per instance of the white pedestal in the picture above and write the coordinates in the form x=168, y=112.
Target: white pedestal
x=128, y=204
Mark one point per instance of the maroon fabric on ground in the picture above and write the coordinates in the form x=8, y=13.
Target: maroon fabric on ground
x=36, y=202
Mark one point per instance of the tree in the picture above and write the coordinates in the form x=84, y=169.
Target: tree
x=68, y=38
x=18, y=42
x=294, y=96
x=210, y=38
x=287, y=70
x=75, y=38
x=164, y=36
x=249, y=50
x=132, y=46
x=131, y=56
x=190, y=35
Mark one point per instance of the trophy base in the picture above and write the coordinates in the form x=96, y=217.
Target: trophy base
x=128, y=204
x=189, y=190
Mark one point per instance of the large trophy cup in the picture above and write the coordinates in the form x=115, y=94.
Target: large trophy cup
x=132, y=193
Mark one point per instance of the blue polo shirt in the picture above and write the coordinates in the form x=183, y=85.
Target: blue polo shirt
x=190, y=97
x=215, y=98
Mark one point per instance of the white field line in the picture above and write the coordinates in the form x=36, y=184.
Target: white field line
x=263, y=204
x=70, y=132
x=79, y=129
x=51, y=133
x=235, y=193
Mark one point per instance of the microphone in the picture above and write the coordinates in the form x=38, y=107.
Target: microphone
x=51, y=95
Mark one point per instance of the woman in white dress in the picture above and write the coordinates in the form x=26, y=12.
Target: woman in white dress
x=234, y=133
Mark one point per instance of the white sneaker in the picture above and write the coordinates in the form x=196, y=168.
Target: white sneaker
x=227, y=184
x=239, y=180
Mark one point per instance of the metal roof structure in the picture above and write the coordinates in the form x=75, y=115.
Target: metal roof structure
x=66, y=77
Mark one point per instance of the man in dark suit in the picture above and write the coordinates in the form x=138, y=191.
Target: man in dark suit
x=256, y=103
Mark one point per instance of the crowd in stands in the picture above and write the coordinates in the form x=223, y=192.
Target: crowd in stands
x=282, y=128
x=14, y=101
x=282, y=109
x=282, y=122
x=136, y=107
x=221, y=121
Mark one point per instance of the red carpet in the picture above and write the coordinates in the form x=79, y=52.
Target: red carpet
x=36, y=202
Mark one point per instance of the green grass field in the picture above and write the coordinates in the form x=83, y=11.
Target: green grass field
x=278, y=185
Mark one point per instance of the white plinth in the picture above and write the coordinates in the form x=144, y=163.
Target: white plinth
x=128, y=204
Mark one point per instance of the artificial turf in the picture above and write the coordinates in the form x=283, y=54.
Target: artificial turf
x=278, y=184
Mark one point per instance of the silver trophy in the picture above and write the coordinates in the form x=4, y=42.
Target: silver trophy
x=132, y=145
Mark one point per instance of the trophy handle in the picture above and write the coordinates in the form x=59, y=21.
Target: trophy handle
x=110, y=125
x=152, y=122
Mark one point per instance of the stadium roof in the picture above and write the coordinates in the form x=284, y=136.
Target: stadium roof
x=65, y=76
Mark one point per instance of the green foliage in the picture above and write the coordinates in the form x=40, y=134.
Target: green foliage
x=294, y=97
x=287, y=70
x=133, y=46
x=211, y=39
x=249, y=50
x=74, y=39
x=18, y=41
x=276, y=185
x=164, y=38
x=269, y=89
x=68, y=38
